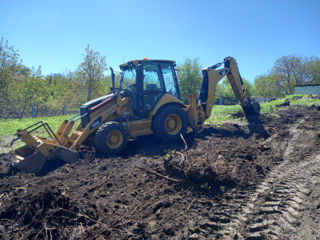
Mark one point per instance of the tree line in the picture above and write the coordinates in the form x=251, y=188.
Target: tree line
x=22, y=86
x=287, y=72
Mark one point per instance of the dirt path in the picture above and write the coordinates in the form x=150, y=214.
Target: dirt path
x=285, y=204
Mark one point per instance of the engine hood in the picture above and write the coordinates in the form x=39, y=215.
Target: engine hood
x=85, y=108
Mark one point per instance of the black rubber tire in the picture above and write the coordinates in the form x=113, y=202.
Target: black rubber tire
x=100, y=139
x=158, y=122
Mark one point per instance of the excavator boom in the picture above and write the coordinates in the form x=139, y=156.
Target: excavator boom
x=211, y=77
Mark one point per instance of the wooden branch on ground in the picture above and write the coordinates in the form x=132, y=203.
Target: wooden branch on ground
x=185, y=143
x=160, y=175
x=183, y=157
x=191, y=204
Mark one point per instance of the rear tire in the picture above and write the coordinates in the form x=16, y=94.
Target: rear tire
x=110, y=138
x=169, y=122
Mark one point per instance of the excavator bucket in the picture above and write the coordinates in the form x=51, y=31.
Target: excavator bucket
x=251, y=110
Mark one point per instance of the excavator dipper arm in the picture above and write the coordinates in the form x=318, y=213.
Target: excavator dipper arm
x=211, y=77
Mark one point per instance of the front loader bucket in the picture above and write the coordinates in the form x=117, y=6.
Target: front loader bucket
x=33, y=161
x=41, y=155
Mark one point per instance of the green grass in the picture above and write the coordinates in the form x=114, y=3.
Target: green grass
x=10, y=126
x=271, y=107
x=220, y=114
x=223, y=113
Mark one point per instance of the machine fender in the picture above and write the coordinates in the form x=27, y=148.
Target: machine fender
x=164, y=100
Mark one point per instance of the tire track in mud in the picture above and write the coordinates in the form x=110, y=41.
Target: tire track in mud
x=275, y=208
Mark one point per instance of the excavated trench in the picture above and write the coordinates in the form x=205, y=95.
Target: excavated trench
x=257, y=181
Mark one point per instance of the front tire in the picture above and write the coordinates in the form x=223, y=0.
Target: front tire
x=169, y=122
x=110, y=138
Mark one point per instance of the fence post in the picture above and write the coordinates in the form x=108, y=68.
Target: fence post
x=65, y=109
x=32, y=111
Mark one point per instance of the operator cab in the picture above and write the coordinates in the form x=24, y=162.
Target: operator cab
x=147, y=81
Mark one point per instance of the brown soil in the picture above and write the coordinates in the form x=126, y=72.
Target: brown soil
x=233, y=182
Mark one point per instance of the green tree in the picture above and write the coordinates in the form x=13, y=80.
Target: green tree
x=11, y=70
x=189, y=77
x=65, y=88
x=9, y=57
x=29, y=90
x=294, y=70
x=224, y=88
x=265, y=86
x=9, y=64
x=91, y=71
x=287, y=72
x=312, y=68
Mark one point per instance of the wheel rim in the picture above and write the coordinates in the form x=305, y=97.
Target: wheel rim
x=114, y=139
x=173, y=124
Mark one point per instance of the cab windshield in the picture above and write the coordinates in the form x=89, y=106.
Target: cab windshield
x=128, y=78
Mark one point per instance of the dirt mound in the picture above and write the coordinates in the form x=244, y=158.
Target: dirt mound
x=43, y=213
x=155, y=190
x=233, y=157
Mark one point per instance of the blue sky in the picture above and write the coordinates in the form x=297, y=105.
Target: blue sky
x=54, y=33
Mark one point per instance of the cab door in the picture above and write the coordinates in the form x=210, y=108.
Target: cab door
x=170, y=79
x=152, y=88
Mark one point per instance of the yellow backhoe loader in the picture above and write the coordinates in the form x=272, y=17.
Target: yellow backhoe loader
x=147, y=102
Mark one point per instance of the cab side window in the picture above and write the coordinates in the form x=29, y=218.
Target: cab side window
x=168, y=77
x=153, y=87
x=151, y=78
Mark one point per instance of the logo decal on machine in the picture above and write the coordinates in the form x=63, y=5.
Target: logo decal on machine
x=96, y=123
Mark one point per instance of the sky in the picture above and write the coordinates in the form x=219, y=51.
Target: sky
x=54, y=34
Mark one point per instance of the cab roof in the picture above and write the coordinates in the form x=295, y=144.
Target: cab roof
x=133, y=63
